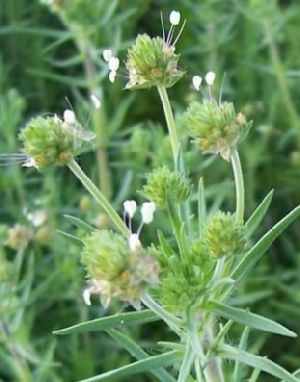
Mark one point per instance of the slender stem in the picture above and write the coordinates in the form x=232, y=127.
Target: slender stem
x=213, y=371
x=98, y=196
x=239, y=185
x=186, y=365
x=173, y=322
x=170, y=122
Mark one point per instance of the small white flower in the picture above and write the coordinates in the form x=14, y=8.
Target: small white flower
x=96, y=101
x=86, y=295
x=69, y=117
x=107, y=54
x=130, y=207
x=30, y=162
x=113, y=64
x=112, y=76
x=147, y=211
x=134, y=242
x=37, y=218
x=197, y=81
x=210, y=78
x=174, y=18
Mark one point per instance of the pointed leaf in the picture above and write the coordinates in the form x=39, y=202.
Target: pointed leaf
x=136, y=351
x=258, y=215
x=151, y=363
x=110, y=322
x=80, y=223
x=257, y=362
x=258, y=250
x=250, y=319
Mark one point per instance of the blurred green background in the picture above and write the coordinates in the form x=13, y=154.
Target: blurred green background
x=51, y=60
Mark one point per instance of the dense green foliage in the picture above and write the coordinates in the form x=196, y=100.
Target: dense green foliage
x=51, y=58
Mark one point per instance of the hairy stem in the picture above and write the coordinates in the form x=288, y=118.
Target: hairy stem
x=170, y=122
x=239, y=185
x=98, y=196
x=213, y=371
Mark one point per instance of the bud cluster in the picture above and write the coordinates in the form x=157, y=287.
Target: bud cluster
x=152, y=62
x=216, y=128
x=223, y=236
x=50, y=141
x=114, y=270
x=163, y=184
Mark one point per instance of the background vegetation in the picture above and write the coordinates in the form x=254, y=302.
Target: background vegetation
x=51, y=57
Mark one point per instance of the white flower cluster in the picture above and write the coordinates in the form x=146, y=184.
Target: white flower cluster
x=113, y=64
x=209, y=79
x=147, y=212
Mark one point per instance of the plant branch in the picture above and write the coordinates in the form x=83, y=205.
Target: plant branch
x=98, y=196
x=239, y=185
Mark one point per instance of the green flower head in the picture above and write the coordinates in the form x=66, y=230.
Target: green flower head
x=223, y=236
x=163, y=185
x=152, y=62
x=50, y=141
x=115, y=270
x=216, y=127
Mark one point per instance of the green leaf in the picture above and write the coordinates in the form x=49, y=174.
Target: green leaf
x=80, y=223
x=258, y=250
x=110, y=322
x=73, y=239
x=201, y=207
x=148, y=364
x=136, y=351
x=257, y=362
x=258, y=215
x=250, y=319
x=237, y=373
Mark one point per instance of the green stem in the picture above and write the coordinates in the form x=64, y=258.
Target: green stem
x=170, y=122
x=186, y=365
x=98, y=196
x=239, y=185
x=213, y=371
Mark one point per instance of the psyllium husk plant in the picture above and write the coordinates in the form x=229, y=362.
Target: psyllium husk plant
x=186, y=277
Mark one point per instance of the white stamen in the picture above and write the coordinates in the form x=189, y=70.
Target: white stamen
x=210, y=78
x=112, y=76
x=174, y=18
x=113, y=64
x=69, y=117
x=86, y=295
x=147, y=211
x=134, y=242
x=107, y=54
x=96, y=101
x=197, y=81
x=130, y=207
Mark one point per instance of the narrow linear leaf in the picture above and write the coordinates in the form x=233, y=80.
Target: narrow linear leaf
x=258, y=215
x=257, y=362
x=238, y=369
x=201, y=207
x=71, y=238
x=258, y=250
x=136, y=351
x=251, y=319
x=155, y=362
x=80, y=223
x=110, y=322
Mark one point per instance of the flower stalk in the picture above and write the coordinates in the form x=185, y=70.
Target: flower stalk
x=170, y=122
x=239, y=185
x=98, y=196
